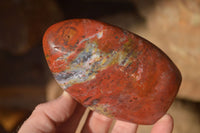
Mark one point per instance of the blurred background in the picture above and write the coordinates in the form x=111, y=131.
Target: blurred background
x=25, y=80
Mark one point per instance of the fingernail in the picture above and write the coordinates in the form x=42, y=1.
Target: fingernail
x=167, y=117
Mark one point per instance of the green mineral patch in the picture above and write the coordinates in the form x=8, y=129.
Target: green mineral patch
x=102, y=109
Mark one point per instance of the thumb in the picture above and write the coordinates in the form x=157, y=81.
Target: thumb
x=47, y=116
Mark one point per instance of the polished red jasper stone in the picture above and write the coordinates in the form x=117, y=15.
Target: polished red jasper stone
x=110, y=70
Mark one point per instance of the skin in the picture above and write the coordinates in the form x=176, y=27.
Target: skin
x=63, y=114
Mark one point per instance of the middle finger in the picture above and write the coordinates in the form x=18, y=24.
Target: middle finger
x=97, y=123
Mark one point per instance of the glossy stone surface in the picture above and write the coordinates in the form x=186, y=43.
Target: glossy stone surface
x=111, y=70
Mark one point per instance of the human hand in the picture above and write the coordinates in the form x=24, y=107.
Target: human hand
x=63, y=114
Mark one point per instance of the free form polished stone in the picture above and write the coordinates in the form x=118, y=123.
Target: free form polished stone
x=110, y=70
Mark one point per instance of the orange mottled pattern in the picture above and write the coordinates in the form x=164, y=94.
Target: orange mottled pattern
x=110, y=70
